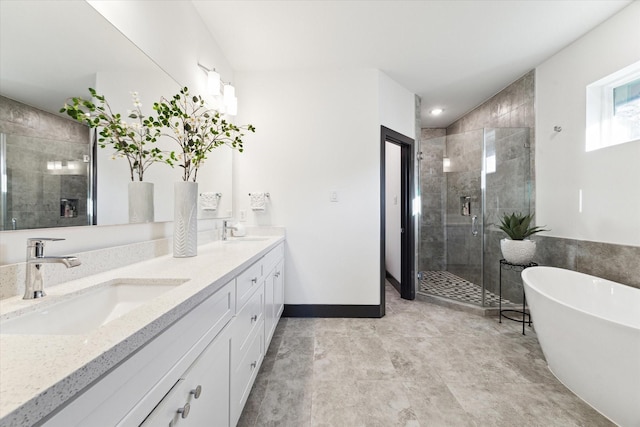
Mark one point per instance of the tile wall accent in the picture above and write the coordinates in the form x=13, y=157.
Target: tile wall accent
x=608, y=261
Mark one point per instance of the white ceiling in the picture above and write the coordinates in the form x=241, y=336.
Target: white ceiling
x=454, y=54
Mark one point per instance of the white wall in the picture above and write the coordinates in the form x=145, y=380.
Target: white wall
x=393, y=211
x=397, y=107
x=172, y=34
x=608, y=178
x=317, y=132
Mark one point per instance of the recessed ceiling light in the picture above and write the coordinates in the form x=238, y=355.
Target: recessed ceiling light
x=436, y=111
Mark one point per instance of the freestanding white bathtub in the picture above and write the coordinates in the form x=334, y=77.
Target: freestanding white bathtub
x=589, y=331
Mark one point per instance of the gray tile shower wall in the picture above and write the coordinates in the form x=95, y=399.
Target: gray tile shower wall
x=39, y=194
x=22, y=119
x=431, y=239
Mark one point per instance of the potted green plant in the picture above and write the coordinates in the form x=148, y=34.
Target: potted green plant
x=198, y=130
x=517, y=249
x=132, y=140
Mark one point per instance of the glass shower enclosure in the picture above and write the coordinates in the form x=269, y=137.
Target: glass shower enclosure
x=467, y=182
x=44, y=182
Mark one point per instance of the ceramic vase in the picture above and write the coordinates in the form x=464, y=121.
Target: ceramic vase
x=185, y=219
x=518, y=251
x=140, y=202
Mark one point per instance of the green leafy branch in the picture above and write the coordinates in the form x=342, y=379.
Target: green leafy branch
x=132, y=140
x=197, y=130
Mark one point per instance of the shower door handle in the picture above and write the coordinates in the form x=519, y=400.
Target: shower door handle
x=474, y=225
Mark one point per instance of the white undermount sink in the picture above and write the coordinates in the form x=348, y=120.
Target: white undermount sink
x=89, y=309
x=246, y=239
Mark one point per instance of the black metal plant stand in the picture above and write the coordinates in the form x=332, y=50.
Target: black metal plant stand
x=526, y=317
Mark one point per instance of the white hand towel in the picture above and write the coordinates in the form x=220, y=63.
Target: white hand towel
x=258, y=201
x=209, y=201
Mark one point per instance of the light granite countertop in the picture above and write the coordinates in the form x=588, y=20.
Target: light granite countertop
x=39, y=373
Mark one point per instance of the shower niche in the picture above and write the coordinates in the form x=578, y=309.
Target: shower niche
x=467, y=181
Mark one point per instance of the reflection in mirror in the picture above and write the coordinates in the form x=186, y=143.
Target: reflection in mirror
x=55, y=50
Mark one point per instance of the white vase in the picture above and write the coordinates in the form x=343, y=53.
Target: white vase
x=140, y=202
x=518, y=251
x=185, y=219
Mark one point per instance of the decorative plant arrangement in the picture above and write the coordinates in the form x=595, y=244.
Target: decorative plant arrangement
x=132, y=140
x=518, y=227
x=184, y=118
x=197, y=130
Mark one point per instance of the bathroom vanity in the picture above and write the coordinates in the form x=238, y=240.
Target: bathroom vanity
x=188, y=355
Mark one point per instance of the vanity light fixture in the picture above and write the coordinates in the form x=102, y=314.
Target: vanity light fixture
x=230, y=100
x=214, y=86
x=213, y=82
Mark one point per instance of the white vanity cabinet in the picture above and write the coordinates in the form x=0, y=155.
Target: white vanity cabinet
x=252, y=326
x=200, y=370
x=200, y=397
x=129, y=393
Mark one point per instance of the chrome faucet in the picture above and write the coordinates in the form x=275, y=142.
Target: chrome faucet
x=34, y=286
x=226, y=227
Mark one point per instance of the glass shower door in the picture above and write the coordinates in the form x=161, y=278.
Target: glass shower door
x=451, y=257
x=507, y=189
x=468, y=181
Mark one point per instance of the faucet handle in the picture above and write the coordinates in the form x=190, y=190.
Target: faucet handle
x=35, y=245
x=43, y=239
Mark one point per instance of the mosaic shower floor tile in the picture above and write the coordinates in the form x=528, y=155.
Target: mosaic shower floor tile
x=448, y=285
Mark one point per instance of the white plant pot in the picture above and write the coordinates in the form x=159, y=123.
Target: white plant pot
x=185, y=219
x=140, y=202
x=518, y=251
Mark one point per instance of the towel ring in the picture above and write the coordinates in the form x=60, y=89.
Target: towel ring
x=266, y=194
x=218, y=195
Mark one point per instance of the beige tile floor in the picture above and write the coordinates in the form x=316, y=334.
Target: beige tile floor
x=420, y=365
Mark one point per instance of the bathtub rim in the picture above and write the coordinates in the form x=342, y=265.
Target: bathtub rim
x=526, y=282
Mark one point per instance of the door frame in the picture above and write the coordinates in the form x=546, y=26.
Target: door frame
x=407, y=284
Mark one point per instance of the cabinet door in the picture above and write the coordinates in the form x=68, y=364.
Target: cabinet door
x=278, y=292
x=269, y=311
x=274, y=299
x=201, y=396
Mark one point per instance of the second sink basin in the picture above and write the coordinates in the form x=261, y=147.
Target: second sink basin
x=245, y=239
x=90, y=309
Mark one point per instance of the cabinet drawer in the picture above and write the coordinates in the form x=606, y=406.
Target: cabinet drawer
x=245, y=373
x=247, y=320
x=247, y=282
x=202, y=393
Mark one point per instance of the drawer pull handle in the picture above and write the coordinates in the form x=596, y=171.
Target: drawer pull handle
x=196, y=393
x=254, y=280
x=254, y=318
x=254, y=364
x=184, y=411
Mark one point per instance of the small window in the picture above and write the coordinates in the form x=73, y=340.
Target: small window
x=613, y=109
